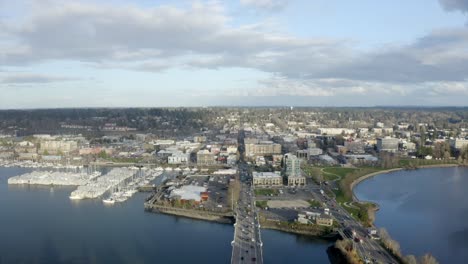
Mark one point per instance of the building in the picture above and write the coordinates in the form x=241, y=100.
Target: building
x=293, y=165
x=379, y=124
x=27, y=156
x=314, y=217
x=277, y=160
x=178, y=158
x=324, y=220
x=361, y=158
x=293, y=170
x=263, y=148
x=387, y=144
x=204, y=158
x=57, y=146
x=231, y=160
x=267, y=179
x=335, y=131
x=302, y=154
x=199, y=139
x=315, y=151
x=355, y=147
x=296, y=181
x=260, y=161
x=409, y=146
x=458, y=143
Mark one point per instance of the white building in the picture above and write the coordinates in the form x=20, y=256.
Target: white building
x=335, y=131
x=387, y=144
x=178, y=158
x=267, y=179
x=458, y=143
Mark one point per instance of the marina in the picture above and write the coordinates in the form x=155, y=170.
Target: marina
x=119, y=184
x=55, y=178
x=115, y=186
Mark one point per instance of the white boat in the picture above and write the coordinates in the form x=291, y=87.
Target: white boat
x=75, y=197
x=110, y=200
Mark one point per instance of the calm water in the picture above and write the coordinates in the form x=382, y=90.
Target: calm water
x=425, y=210
x=41, y=225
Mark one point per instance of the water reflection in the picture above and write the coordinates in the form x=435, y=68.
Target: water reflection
x=425, y=210
x=40, y=224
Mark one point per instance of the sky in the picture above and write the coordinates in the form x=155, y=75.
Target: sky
x=155, y=53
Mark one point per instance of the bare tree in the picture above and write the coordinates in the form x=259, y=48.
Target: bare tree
x=428, y=259
x=410, y=259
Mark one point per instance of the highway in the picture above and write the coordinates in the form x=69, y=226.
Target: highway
x=368, y=249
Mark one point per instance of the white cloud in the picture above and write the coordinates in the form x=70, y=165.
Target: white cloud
x=204, y=36
x=31, y=78
x=267, y=5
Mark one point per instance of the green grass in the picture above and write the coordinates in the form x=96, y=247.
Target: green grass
x=338, y=171
x=261, y=204
x=266, y=192
x=314, y=203
x=421, y=162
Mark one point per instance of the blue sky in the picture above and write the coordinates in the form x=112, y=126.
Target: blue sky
x=240, y=52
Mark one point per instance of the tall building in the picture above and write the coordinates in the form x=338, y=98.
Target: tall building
x=387, y=144
x=293, y=170
x=293, y=165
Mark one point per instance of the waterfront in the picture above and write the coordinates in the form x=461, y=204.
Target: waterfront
x=425, y=210
x=42, y=225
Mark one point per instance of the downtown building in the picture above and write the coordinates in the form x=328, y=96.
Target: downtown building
x=262, y=148
x=293, y=170
x=388, y=144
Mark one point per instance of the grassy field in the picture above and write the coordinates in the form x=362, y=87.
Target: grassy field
x=411, y=163
x=347, y=176
x=261, y=204
x=344, y=193
x=314, y=203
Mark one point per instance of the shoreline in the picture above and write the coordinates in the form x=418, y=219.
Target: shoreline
x=331, y=236
x=222, y=218
x=376, y=206
x=319, y=233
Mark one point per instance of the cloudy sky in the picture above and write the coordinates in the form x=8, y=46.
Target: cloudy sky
x=116, y=53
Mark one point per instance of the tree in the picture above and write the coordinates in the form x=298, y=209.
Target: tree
x=424, y=151
x=410, y=259
x=103, y=154
x=391, y=244
x=316, y=174
x=428, y=259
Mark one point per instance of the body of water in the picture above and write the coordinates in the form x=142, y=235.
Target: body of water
x=42, y=225
x=425, y=210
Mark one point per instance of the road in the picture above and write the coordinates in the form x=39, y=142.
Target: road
x=247, y=243
x=369, y=249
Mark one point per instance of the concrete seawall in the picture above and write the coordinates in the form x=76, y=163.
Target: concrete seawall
x=225, y=218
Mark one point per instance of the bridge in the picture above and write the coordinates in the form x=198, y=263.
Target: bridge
x=247, y=243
